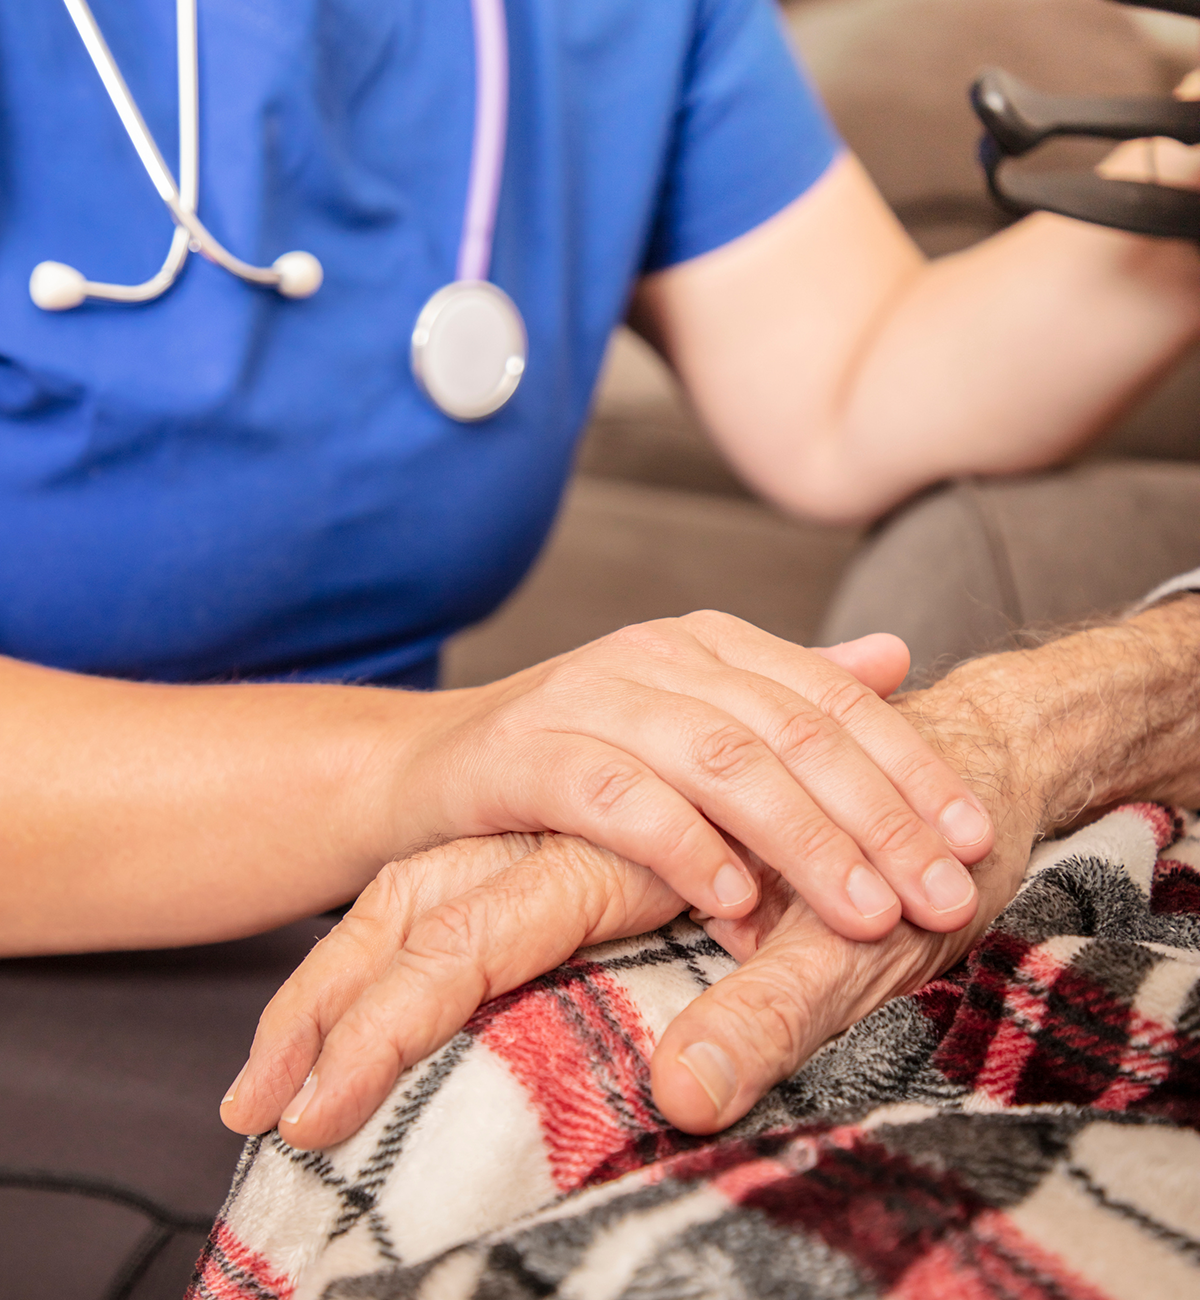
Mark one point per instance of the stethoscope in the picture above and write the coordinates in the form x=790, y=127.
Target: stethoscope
x=469, y=345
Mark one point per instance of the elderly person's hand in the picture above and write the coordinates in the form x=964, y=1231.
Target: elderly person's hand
x=1041, y=735
x=1045, y=736
x=429, y=941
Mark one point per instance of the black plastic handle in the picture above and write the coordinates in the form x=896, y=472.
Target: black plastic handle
x=1020, y=118
x=1136, y=206
x=1189, y=7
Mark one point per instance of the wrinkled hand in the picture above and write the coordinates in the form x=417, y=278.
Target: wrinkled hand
x=429, y=941
x=662, y=740
x=436, y=936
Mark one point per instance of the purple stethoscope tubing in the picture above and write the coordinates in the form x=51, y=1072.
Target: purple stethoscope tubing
x=491, y=133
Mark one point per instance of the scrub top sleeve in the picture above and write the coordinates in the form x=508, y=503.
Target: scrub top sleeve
x=750, y=133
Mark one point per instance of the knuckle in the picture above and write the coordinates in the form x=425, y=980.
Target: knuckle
x=916, y=765
x=846, y=699
x=559, y=680
x=610, y=785
x=658, y=638
x=447, y=948
x=447, y=934
x=709, y=621
x=817, y=837
x=894, y=831
x=726, y=752
x=380, y=898
x=772, y=1019
x=801, y=735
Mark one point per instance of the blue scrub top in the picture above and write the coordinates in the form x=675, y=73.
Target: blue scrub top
x=227, y=484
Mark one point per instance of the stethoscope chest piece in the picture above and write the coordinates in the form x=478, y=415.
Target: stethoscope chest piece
x=469, y=349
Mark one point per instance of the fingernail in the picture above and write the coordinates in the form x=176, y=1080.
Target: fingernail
x=301, y=1100
x=869, y=893
x=732, y=886
x=713, y=1071
x=963, y=824
x=233, y=1087
x=948, y=885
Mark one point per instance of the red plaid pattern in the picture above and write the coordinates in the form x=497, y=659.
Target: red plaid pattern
x=1026, y=1127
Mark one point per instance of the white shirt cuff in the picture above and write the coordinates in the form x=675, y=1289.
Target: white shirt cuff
x=1172, y=587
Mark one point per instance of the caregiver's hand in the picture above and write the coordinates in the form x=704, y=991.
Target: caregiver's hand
x=648, y=740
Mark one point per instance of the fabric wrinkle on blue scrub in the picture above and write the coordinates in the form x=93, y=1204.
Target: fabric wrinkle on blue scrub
x=226, y=484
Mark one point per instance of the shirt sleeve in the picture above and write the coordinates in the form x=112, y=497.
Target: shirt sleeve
x=1172, y=587
x=750, y=134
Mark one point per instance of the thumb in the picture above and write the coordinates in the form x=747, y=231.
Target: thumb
x=761, y=1022
x=879, y=660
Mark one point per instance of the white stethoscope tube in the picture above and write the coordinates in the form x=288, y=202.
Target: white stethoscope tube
x=56, y=287
x=469, y=345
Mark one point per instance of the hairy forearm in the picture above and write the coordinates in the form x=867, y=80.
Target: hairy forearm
x=142, y=815
x=1080, y=723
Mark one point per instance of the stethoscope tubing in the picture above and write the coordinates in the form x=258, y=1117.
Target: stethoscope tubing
x=491, y=132
x=189, y=139
x=469, y=345
x=202, y=240
x=191, y=235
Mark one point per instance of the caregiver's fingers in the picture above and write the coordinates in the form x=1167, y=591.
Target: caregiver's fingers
x=605, y=793
x=879, y=660
x=761, y=1022
x=934, y=791
x=358, y=951
x=676, y=739
x=788, y=782
x=525, y=921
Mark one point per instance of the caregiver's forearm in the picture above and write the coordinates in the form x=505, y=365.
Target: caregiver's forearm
x=141, y=814
x=1009, y=356
x=137, y=815
x=841, y=371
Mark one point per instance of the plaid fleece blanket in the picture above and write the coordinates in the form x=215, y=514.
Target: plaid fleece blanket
x=1026, y=1127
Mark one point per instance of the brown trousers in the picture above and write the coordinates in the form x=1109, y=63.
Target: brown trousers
x=965, y=568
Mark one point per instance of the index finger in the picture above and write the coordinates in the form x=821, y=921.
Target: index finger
x=352, y=956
